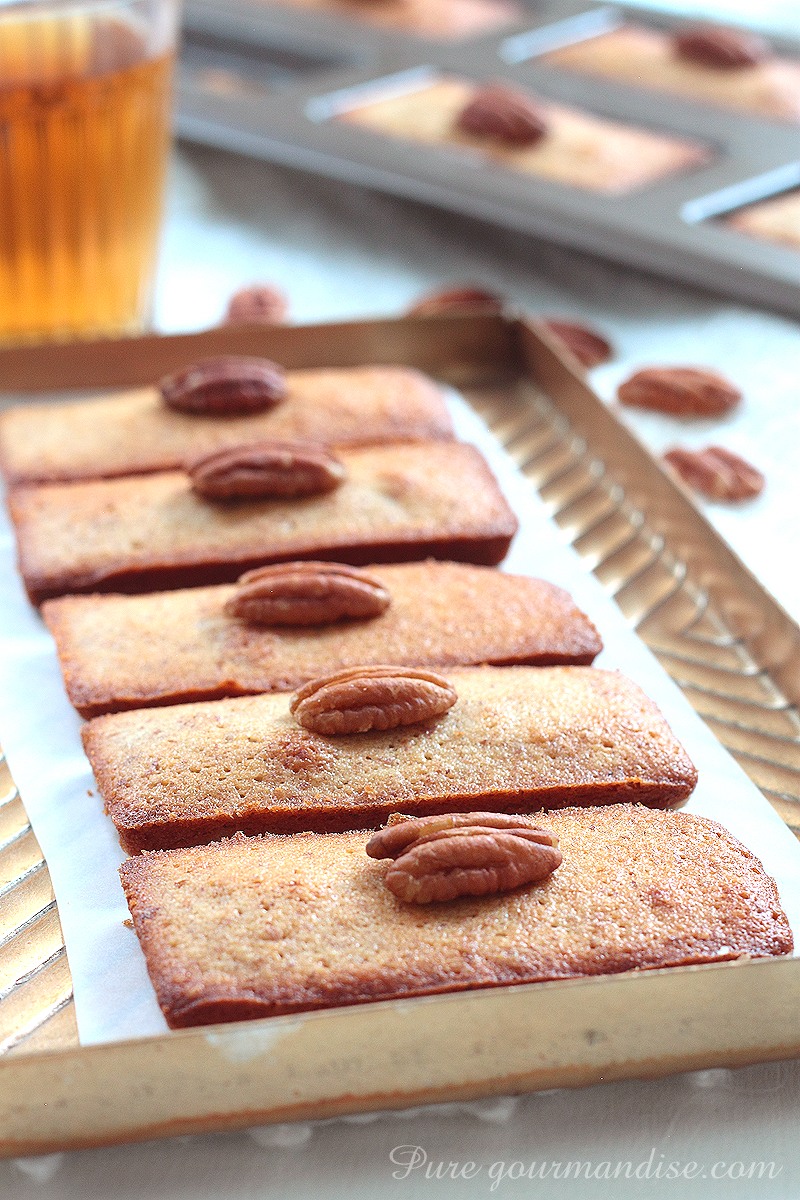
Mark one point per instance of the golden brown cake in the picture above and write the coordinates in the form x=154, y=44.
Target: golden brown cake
x=517, y=739
x=151, y=532
x=439, y=19
x=253, y=927
x=774, y=220
x=647, y=58
x=579, y=149
x=121, y=652
x=134, y=432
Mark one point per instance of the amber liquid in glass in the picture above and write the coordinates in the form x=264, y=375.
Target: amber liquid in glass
x=84, y=125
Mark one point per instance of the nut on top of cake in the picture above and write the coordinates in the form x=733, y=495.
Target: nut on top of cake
x=717, y=65
x=254, y=927
x=511, y=128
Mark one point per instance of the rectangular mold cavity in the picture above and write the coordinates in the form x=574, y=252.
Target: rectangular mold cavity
x=230, y=66
x=635, y=57
x=580, y=149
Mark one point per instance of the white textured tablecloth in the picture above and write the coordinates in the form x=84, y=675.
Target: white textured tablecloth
x=341, y=252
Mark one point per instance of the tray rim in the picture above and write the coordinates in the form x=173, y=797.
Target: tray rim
x=274, y=1069
x=56, y=1092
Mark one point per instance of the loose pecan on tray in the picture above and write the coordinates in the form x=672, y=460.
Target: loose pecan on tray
x=259, y=304
x=680, y=391
x=716, y=472
x=589, y=347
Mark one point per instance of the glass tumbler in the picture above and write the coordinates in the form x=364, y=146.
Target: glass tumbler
x=85, y=90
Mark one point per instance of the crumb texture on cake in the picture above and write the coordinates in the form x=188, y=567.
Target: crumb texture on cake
x=579, y=149
x=255, y=927
x=151, y=532
x=646, y=58
x=120, y=652
x=517, y=739
x=134, y=432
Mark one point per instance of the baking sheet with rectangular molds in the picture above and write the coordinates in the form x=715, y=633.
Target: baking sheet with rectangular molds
x=263, y=79
x=733, y=651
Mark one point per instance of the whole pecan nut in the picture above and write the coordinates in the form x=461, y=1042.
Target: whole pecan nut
x=225, y=386
x=258, y=470
x=716, y=473
x=474, y=854
x=360, y=699
x=505, y=114
x=681, y=391
x=466, y=298
x=717, y=46
x=307, y=593
x=588, y=346
x=402, y=832
x=260, y=304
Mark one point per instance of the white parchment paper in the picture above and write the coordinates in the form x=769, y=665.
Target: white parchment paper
x=39, y=732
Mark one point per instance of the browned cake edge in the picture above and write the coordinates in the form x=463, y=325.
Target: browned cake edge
x=226, y=690
x=172, y=833
x=487, y=550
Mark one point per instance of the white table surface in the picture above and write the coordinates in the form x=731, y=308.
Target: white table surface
x=341, y=252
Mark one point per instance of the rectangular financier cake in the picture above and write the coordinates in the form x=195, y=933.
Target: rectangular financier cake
x=650, y=58
x=516, y=739
x=440, y=19
x=254, y=927
x=134, y=432
x=150, y=532
x=121, y=652
x=578, y=150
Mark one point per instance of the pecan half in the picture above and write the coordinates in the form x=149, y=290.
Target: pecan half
x=716, y=473
x=716, y=46
x=402, y=832
x=307, y=593
x=588, y=346
x=682, y=391
x=475, y=854
x=260, y=304
x=504, y=114
x=266, y=469
x=363, y=698
x=465, y=298
x=225, y=386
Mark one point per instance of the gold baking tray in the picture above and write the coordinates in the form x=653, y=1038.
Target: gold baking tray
x=732, y=649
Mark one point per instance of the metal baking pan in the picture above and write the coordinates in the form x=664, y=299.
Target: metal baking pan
x=268, y=80
x=732, y=649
